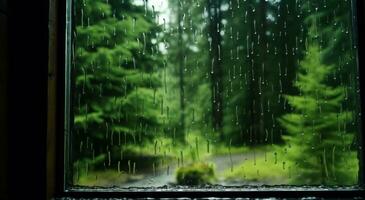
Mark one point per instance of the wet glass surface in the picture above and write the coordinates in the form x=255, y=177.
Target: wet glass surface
x=186, y=94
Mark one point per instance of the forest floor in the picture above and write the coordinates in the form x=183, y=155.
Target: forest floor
x=260, y=166
x=222, y=163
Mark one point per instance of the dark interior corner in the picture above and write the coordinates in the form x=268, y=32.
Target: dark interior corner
x=3, y=91
x=23, y=98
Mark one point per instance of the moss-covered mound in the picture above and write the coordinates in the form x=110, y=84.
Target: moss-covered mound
x=195, y=174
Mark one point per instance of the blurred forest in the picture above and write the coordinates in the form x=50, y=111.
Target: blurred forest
x=251, y=91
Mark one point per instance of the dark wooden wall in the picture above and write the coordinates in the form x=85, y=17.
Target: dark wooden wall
x=25, y=98
x=3, y=91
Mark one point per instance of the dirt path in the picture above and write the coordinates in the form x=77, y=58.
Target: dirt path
x=167, y=176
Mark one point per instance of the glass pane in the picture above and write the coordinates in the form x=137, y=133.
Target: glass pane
x=228, y=92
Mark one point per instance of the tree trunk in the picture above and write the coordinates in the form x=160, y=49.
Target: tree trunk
x=181, y=74
x=259, y=63
x=288, y=34
x=215, y=53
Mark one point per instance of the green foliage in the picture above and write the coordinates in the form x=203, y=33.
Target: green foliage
x=275, y=166
x=260, y=64
x=144, y=93
x=195, y=174
x=270, y=167
x=331, y=26
x=117, y=78
x=105, y=178
x=318, y=124
x=188, y=82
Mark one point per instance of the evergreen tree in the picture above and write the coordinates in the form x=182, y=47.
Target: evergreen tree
x=318, y=134
x=117, y=67
x=331, y=23
x=188, y=68
x=261, y=47
x=215, y=59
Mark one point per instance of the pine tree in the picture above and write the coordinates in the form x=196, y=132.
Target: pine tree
x=188, y=70
x=318, y=136
x=330, y=22
x=117, y=101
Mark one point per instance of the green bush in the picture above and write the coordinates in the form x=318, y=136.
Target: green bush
x=195, y=174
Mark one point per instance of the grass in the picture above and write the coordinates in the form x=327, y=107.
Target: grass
x=274, y=168
x=193, y=149
x=221, y=149
x=152, y=155
x=267, y=168
x=105, y=178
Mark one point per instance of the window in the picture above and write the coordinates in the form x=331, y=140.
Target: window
x=213, y=93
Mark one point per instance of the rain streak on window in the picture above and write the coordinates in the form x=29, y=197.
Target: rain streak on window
x=227, y=92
